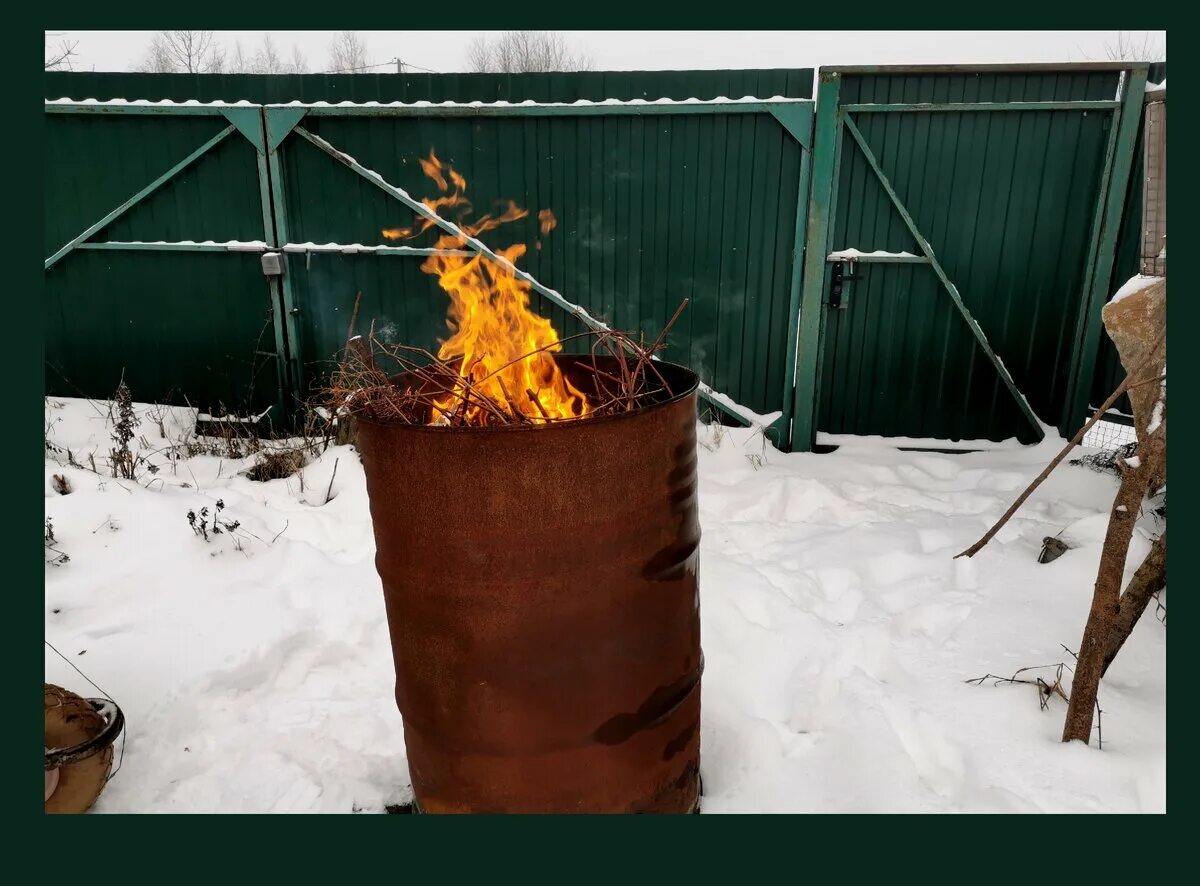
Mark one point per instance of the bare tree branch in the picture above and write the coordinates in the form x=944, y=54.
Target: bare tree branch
x=1134, y=47
x=266, y=59
x=1125, y=385
x=239, y=61
x=347, y=53
x=60, y=56
x=298, y=64
x=189, y=52
x=1150, y=578
x=514, y=52
x=199, y=52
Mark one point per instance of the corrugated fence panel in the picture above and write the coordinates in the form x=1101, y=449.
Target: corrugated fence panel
x=1006, y=200
x=410, y=87
x=175, y=324
x=651, y=209
x=1109, y=372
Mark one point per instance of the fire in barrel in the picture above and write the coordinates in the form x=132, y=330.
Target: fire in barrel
x=537, y=538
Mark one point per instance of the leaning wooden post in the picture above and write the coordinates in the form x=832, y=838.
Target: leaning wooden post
x=1136, y=321
x=1106, y=602
x=1150, y=578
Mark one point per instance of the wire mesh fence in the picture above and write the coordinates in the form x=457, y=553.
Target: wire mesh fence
x=1109, y=435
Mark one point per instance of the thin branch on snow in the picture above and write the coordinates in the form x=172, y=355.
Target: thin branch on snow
x=1125, y=385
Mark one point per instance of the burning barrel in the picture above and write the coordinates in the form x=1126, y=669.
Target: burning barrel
x=541, y=589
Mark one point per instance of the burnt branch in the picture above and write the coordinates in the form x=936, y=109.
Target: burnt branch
x=443, y=392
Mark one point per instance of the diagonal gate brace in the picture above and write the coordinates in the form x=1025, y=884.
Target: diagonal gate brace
x=717, y=399
x=137, y=198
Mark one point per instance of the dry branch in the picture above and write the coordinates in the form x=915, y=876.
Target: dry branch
x=1105, y=602
x=1150, y=578
x=1046, y=689
x=442, y=392
x=1066, y=450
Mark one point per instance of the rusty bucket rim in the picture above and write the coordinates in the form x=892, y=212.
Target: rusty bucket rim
x=693, y=385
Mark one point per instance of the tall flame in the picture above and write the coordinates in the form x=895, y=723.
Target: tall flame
x=494, y=333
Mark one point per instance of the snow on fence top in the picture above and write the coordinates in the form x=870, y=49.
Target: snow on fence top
x=527, y=103
x=530, y=103
x=351, y=248
x=145, y=102
x=234, y=245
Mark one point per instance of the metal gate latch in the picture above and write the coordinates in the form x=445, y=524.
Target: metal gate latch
x=272, y=264
x=841, y=276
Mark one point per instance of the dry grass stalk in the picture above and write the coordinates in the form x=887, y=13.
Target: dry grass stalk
x=359, y=386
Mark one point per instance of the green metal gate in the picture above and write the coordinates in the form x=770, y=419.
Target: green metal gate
x=961, y=239
x=655, y=201
x=156, y=219
x=166, y=213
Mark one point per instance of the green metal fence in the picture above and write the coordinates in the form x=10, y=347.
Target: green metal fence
x=139, y=203
x=1002, y=187
x=655, y=203
x=941, y=278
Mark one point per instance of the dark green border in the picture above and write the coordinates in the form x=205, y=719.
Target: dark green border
x=749, y=848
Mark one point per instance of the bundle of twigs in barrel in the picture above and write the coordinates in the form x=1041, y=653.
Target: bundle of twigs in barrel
x=434, y=391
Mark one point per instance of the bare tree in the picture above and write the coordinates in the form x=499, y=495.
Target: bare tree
x=267, y=59
x=189, y=52
x=513, y=52
x=158, y=59
x=298, y=64
x=216, y=61
x=1134, y=47
x=239, y=61
x=59, y=57
x=347, y=53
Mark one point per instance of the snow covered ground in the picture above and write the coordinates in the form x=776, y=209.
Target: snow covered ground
x=838, y=632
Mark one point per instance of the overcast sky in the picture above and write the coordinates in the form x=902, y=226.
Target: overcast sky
x=443, y=51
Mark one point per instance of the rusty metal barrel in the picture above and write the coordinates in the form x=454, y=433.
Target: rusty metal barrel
x=542, y=598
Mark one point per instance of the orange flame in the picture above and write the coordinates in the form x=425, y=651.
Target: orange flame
x=493, y=330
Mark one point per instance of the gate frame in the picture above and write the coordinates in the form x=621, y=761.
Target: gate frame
x=832, y=117
x=794, y=115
